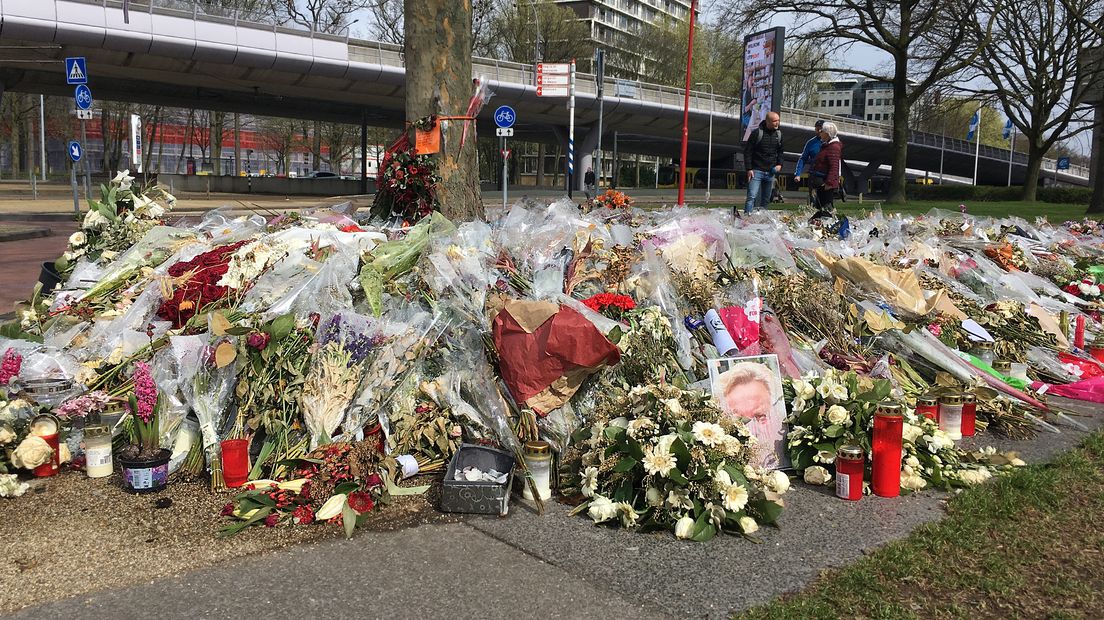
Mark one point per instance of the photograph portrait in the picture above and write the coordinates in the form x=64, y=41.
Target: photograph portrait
x=750, y=388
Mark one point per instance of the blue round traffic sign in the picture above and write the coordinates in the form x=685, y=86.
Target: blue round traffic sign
x=75, y=150
x=505, y=116
x=83, y=95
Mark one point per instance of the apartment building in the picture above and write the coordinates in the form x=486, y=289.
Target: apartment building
x=868, y=100
x=614, y=24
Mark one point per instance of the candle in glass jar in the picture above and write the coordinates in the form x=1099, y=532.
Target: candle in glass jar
x=1003, y=367
x=97, y=451
x=850, y=462
x=969, y=414
x=538, y=459
x=886, y=461
x=950, y=415
x=928, y=406
x=984, y=351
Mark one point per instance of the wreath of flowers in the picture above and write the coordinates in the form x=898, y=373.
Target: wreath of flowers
x=406, y=186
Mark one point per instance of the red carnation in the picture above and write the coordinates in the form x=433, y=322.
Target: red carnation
x=361, y=502
x=373, y=481
x=303, y=515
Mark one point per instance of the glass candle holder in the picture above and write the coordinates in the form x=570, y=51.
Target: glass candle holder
x=850, y=463
x=235, y=462
x=969, y=414
x=928, y=406
x=1004, y=367
x=950, y=415
x=97, y=451
x=886, y=461
x=984, y=351
x=538, y=459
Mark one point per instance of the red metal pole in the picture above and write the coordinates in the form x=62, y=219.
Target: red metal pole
x=686, y=105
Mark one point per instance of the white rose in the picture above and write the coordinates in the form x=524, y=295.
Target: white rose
x=32, y=452
x=748, y=525
x=910, y=433
x=601, y=509
x=654, y=497
x=77, y=239
x=913, y=483
x=778, y=482
x=912, y=461
x=838, y=415
x=817, y=475
x=7, y=435
x=1016, y=462
x=684, y=527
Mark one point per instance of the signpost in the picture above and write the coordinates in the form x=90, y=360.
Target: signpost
x=75, y=153
x=504, y=118
x=599, y=78
x=558, y=80
x=83, y=98
x=76, y=70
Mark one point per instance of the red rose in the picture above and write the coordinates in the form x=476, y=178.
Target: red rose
x=361, y=502
x=258, y=340
x=212, y=293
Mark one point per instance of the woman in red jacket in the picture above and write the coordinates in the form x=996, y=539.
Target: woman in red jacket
x=826, y=168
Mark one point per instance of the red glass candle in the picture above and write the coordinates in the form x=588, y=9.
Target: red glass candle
x=50, y=467
x=850, y=462
x=235, y=462
x=969, y=414
x=928, y=406
x=886, y=461
x=1079, y=332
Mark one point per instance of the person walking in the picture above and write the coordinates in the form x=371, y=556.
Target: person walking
x=808, y=154
x=763, y=153
x=588, y=184
x=824, y=176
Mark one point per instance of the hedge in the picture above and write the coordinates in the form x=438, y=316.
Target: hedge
x=988, y=193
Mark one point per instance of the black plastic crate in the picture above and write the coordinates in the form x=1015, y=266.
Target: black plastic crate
x=488, y=498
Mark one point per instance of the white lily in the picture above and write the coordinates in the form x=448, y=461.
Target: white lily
x=332, y=507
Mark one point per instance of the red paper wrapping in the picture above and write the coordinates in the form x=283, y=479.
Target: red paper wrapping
x=566, y=345
x=742, y=329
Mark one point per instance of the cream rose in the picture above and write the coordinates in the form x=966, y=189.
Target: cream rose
x=817, y=475
x=7, y=435
x=684, y=527
x=748, y=525
x=838, y=415
x=32, y=452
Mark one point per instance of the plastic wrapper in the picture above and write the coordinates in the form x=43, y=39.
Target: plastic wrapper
x=222, y=227
x=751, y=249
x=42, y=361
x=186, y=436
x=652, y=281
x=469, y=390
x=391, y=259
x=460, y=269
x=207, y=388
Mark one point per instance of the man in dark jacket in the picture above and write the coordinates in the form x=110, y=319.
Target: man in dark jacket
x=763, y=157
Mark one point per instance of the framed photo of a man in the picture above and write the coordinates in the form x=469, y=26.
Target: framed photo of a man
x=750, y=388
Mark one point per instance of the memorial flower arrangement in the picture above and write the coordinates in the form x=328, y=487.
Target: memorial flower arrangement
x=407, y=182
x=613, y=199
x=196, y=284
x=611, y=305
x=658, y=457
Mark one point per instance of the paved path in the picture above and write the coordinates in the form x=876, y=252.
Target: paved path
x=529, y=566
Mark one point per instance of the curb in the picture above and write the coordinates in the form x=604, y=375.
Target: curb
x=21, y=235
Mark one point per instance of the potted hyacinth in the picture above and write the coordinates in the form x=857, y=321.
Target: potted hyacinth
x=145, y=464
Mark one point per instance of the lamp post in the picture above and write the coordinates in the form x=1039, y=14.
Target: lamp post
x=709, y=155
x=686, y=105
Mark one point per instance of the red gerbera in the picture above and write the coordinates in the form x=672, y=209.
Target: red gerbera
x=303, y=515
x=361, y=502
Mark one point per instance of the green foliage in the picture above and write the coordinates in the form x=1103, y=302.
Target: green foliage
x=986, y=193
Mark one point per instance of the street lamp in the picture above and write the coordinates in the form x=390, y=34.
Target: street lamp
x=709, y=156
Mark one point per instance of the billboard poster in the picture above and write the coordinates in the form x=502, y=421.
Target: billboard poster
x=761, y=89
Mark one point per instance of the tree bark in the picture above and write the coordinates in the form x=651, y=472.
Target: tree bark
x=1096, y=168
x=438, y=52
x=897, y=178
x=1031, y=181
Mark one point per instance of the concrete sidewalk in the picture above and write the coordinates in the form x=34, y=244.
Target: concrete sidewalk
x=529, y=566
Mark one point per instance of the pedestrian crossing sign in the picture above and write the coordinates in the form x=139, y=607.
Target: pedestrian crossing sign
x=76, y=71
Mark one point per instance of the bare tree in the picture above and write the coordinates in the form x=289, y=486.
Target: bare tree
x=386, y=21
x=277, y=139
x=523, y=30
x=924, y=40
x=329, y=16
x=341, y=141
x=805, y=63
x=1033, y=72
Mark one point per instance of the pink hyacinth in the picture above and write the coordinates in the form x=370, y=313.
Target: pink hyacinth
x=145, y=392
x=935, y=329
x=9, y=369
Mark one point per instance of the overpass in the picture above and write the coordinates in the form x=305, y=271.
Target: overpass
x=188, y=53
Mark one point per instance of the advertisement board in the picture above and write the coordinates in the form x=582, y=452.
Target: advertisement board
x=761, y=90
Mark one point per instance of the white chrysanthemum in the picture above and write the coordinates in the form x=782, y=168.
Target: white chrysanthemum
x=660, y=463
x=838, y=415
x=734, y=497
x=639, y=425
x=601, y=509
x=590, y=481
x=77, y=239
x=627, y=514
x=708, y=433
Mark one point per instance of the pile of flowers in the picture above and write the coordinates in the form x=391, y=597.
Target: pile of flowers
x=610, y=305
x=406, y=186
x=613, y=199
x=661, y=457
x=198, y=284
x=1087, y=289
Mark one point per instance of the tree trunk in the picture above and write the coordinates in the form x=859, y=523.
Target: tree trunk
x=218, y=126
x=1096, y=167
x=438, y=52
x=897, y=177
x=1031, y=181
x=540, y=164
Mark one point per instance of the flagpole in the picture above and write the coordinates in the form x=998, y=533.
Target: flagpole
x=977, y=148
x=1011, y=150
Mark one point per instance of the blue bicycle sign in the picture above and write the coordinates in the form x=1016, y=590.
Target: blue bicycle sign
x=505, y=116
x=83, y=95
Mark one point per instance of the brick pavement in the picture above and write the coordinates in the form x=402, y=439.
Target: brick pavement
x=22, y=261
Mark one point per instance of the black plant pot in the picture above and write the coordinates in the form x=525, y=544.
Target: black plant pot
x=49, y=277
x=146, y=475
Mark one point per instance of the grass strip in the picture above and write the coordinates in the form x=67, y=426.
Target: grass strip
x=1029, y=545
